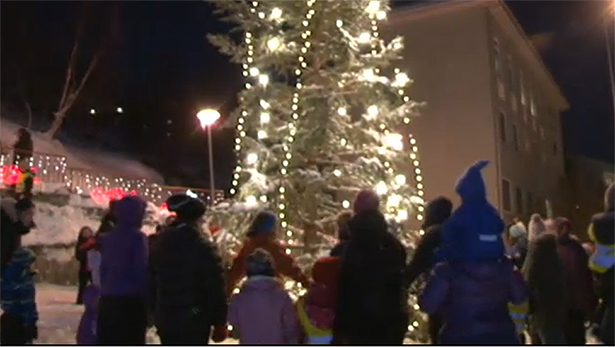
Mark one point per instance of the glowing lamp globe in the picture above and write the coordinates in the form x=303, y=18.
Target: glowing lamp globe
x=207, y=117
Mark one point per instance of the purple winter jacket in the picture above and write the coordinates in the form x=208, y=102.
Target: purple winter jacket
x=123, y=251
x=86, y=332
x=473, y=300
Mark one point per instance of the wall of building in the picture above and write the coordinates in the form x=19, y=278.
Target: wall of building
x=529, y=133
x=447, y=57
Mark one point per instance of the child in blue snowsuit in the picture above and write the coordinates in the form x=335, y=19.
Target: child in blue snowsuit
x=17, y=298
x=472, y=287
x=474, y=230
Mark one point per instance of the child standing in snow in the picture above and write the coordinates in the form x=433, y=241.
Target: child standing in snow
x=316, y=309
x=472, y=289
x=263, y=313
x=86, y=333
x=17, y=297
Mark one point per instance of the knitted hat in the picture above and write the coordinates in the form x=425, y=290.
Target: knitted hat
x=264, y=222
x=366, y=200
x=470, y=185
x=326, y=271
x=187, y=208
x=517, y=230
x=536, y=226
x=260, y=263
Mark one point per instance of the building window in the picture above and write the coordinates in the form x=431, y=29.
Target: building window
x=530, y=202
x=502, y=127
x=515, y=137
x=501, y=89
x=532, y=105
x=511, y=76
x=513, y=101
x=522, y=89
x=519, y=200
x=506, y=203
x=496, y=49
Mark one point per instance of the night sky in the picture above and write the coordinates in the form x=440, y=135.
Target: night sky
x=159, y=67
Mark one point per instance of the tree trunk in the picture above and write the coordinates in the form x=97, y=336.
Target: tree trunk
x=55, y=126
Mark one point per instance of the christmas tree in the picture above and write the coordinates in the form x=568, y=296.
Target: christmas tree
x=319, y=120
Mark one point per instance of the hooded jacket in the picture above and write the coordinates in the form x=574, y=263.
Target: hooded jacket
x=474, y=230
x=17, y=291
x=372, y=295
x=188, y=280
x=264, y=314
x=473, y=300
x=123, y=251
x=425, y=257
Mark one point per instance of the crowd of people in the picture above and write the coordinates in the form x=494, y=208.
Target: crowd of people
x=485, y=282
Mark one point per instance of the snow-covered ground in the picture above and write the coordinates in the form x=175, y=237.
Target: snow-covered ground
x=82, y=158
x=59, y=316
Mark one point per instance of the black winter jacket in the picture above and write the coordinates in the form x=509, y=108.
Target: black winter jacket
x=188, y=280
x=423, y=259
x=372, y=297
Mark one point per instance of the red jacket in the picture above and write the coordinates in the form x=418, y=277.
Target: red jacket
x=284, y=264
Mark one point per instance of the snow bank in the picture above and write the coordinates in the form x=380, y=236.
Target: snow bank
x=59, y=225
x=82, y=158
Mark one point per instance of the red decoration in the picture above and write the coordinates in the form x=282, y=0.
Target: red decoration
x=10, y=175
x=214, y=229
x=102, y=197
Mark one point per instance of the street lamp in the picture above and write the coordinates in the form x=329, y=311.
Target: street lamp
x=207, y=118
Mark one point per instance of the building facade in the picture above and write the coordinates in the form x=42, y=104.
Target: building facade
x=488, y=96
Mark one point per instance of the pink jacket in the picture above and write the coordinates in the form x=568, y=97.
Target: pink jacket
x=264, y=314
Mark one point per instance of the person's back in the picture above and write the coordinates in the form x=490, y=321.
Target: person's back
x=473, y=299
x=263, y=312
x=123, y=277
x=189, y=282
x=372, y=301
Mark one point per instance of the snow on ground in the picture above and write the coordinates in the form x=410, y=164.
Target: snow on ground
x=59, y=316
x=82, y=158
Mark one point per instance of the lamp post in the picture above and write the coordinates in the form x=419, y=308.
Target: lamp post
x=207, y=118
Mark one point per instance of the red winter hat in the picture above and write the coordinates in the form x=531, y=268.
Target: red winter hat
x=366, y=200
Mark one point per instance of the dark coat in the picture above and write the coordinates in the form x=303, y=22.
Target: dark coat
x=188, y=277
x=544, y=275
x=424, y=257
x=578, y=277
x=372, y=296
x=81, y=253
x=473, y=299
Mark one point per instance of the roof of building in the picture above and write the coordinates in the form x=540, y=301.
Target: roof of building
x=504, y=17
